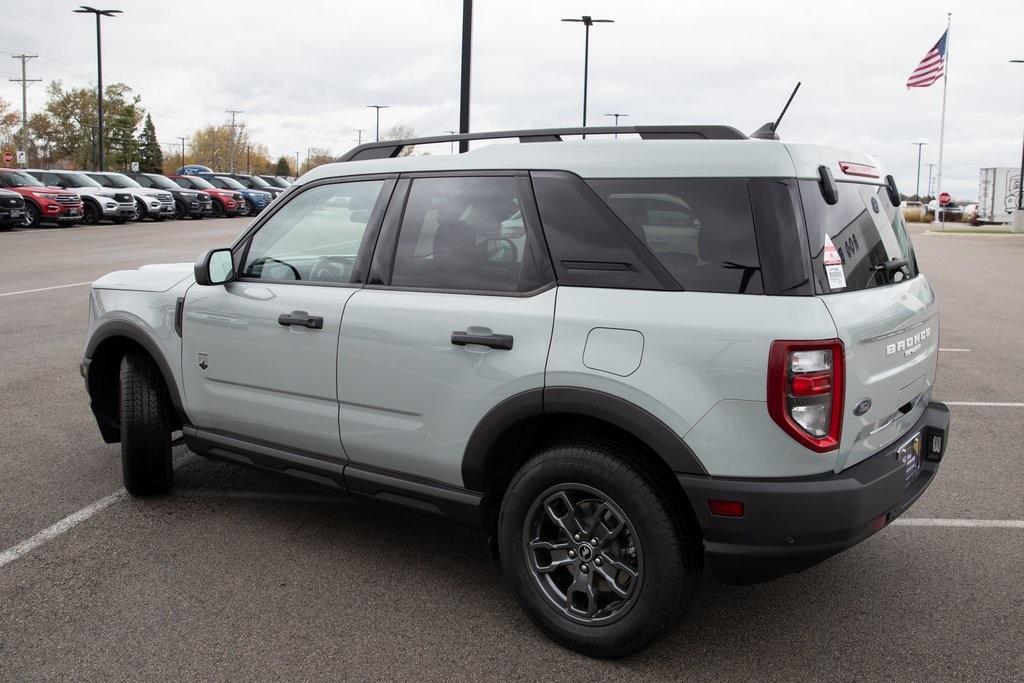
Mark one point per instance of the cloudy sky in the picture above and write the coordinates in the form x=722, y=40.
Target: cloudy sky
x=302, y=71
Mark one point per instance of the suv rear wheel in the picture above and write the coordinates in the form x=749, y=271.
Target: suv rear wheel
x=32, y=217
x=594, y=553
x=145, y=427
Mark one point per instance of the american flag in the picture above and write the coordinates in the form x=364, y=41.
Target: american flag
x=931, y=67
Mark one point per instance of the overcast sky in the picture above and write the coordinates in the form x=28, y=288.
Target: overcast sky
x=302, y=71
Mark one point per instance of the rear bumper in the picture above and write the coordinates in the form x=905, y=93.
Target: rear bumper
x=789, y=525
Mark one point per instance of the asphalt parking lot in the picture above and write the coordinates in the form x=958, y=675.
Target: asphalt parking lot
x=241, y=575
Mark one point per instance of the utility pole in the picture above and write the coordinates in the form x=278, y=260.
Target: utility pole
x=378, y=107
x=231, y=147
x=467, y=51
x=930, y=167
x=451, y=147
x=297, y=173
x=587, y=22
x=359, y=133
x=248, y=159
x=24, y=102
x=182, y=151
x=616, y=121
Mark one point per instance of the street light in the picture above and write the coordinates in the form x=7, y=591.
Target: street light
x=99, y=67
x=1020, y=182
x=930, y=167
x=587, y=22
x=378, y=107
x=616, y=121
x=920, y=144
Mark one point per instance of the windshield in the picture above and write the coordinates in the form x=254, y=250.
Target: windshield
x=229, y=183
x=18, y=179
x=77, y=180
x=194, y=182
x=258, y=182
x=118, y=180
x=852, y=241
x=101, y=179
x=161, y=182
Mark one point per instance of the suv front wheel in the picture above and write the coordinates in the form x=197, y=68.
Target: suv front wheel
x=594, y=553
x=145, y=427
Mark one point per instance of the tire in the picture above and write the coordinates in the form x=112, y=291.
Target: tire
x=145, y=411
x=32, y=217
x=179, y=211
x=218, y=209
x=246, y=208
x=91, y=213
x=656, y=581
x=140, y=212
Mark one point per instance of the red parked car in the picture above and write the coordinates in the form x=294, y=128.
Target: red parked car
x=225, y=202
x=43, y=204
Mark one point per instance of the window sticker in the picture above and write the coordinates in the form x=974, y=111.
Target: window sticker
x=833, y=265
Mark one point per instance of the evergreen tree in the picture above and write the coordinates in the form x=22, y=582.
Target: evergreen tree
x=282, y=167
x=151, y=156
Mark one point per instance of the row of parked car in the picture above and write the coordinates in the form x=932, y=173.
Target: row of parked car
x=31, y=197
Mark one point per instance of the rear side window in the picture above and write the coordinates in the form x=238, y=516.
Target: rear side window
x=700, y=229
x=866, y=231
x=465, y=233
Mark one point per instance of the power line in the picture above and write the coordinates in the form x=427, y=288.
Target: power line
x=24, y=80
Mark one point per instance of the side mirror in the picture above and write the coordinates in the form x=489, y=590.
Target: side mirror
x=215, y=267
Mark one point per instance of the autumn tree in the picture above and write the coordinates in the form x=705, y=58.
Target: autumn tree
x=9, y=120
x=70, y=125
x=318, y=156
x=401, y=131
x=151, y=155
x=212, y=146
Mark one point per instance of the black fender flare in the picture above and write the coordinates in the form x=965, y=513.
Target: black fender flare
x=122, y=328
x=534, y=403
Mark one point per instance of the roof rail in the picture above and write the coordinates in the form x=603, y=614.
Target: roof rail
x=389, y=149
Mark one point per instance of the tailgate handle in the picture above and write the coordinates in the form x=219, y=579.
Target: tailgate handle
x=301, y=319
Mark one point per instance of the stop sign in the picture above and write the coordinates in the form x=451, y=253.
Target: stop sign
x=944, y=198
x=8, y=157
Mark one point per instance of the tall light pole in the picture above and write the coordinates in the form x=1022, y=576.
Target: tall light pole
x=297, y=173
x=378, y=107
x=920, y=144
x=930, y=167
x=587, y=22
x=84, y=9
x=1020, y=182
x=616, y=121
x=451, y=147
x=467, y=51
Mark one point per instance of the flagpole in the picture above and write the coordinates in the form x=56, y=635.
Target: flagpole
x=942, y=124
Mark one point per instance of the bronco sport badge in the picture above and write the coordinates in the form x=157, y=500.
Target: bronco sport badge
x=203, y=359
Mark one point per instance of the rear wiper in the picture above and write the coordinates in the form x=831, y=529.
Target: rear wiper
x=892, y=265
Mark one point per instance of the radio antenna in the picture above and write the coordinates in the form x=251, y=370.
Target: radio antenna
x=767, y=131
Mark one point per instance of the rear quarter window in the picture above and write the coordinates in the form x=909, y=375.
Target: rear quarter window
x=701, y=230
x=866, y=230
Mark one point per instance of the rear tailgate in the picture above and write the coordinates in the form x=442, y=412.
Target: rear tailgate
x=884, y=310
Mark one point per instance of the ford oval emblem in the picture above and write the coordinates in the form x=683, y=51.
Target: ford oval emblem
x=862, y=407
x=874, y=205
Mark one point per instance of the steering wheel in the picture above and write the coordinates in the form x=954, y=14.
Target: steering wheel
x=332, y=269
x=262, y=261
x=500, y=245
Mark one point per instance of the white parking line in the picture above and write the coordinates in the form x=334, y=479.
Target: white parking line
x=955, y=350
x=46, y=289
x=54, y=530
x=988, y=404
x=969, y=523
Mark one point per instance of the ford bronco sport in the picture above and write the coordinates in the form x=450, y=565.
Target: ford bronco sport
x=623, y=360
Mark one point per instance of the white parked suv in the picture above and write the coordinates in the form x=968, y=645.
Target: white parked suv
x=622, y=360
x=98, y=203
x=149, y=202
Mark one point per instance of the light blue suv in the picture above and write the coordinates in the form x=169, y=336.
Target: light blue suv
x=622, y=360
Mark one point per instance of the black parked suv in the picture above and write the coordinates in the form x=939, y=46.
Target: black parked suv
x=187, y=202
x=254, y=182
x=12, y=209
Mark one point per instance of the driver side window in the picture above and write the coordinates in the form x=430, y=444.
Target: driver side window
x=316, y=236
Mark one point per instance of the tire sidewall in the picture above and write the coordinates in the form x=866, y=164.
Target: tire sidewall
x=660, y=541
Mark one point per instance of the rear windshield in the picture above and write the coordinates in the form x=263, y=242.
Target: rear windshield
x=866, y=231
x=700, y=229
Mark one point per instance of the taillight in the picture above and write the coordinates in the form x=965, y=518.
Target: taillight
x=805, y=391
x=864, y=170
